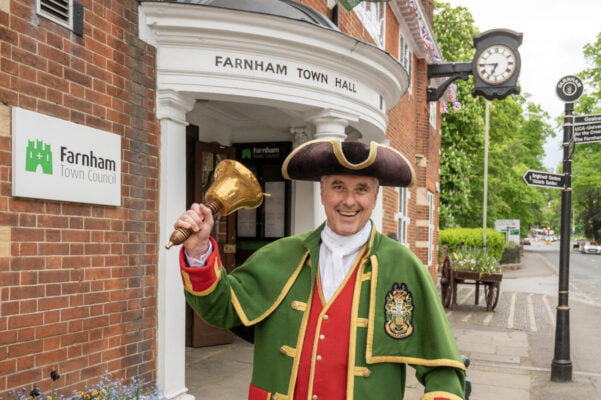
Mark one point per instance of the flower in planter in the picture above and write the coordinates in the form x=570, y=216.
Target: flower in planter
x=106, y=389
x=474, y=259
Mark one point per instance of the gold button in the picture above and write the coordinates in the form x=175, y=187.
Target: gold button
x=283, y=350
x=318, y=358
x=366, y=373
x=293, y=305
x=322, y=337
x=314, y=397
x=325, y=317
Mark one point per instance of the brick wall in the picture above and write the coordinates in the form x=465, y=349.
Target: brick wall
x=78, y=282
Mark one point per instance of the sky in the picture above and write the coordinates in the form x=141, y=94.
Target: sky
x=555, y=33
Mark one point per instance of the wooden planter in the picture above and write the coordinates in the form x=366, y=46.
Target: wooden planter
x=449, y=279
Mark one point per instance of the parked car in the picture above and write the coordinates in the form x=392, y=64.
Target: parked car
x=589, y=247
x=526, y=241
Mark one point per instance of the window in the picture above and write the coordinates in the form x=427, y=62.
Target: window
x=405, y=56
x=403, y=216
x=430, y=225
x=59, y=11
x=373, y=17
x=433, y=113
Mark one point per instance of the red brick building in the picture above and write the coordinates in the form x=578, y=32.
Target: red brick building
x=138, y=100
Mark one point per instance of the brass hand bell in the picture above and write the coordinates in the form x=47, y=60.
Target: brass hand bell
x=235, y=187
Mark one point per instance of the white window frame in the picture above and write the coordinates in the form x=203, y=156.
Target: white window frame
x=406, y=56
x=68, y=24
x=373, y=17
x=430, y=226
x=402, y=215
x=433, y=113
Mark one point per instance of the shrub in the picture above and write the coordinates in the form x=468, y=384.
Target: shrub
x=511, y=253
x=457, y=238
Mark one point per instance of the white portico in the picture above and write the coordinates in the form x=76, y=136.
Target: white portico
x=252, y=72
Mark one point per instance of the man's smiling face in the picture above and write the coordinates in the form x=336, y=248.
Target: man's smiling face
x=348, y=201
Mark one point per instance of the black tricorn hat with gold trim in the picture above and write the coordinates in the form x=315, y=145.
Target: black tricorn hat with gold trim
x=312, y=160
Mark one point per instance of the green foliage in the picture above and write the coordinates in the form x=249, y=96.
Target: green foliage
x=457, y=238
x=518, y=130
x=474, y=259
x=586, y=167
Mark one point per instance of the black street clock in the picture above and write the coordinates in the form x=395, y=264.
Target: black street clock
x=496, y=64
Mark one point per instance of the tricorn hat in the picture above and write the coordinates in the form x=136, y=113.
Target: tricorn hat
x=312, y=160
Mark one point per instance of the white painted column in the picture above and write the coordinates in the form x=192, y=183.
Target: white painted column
x=171, y=342
x=302, y=191
x=331, y=124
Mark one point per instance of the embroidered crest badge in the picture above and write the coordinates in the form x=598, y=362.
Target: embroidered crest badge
x=399, y=312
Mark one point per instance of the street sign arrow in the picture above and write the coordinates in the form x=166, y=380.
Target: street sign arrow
x=587, y=119
x=587, y=133
x=544, y=179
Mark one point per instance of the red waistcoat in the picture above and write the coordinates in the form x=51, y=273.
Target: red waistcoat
x=323, y=366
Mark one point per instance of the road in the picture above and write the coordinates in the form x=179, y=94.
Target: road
x=585, y=271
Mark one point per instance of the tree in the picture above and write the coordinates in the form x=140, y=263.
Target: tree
x=586, y=180
x=517, y=132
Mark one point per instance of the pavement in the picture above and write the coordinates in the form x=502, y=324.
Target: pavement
x=510, y=349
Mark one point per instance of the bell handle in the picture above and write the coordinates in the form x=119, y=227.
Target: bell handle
x=180, y=235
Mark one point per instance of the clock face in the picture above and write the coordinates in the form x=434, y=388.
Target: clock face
x=496, y=64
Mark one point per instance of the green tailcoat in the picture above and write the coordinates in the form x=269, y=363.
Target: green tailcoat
x=272, y=291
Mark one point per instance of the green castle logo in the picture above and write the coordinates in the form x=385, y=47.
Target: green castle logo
x=246, y=154
x=38, y=154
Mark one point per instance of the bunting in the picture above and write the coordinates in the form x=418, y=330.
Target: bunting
x=428, y=44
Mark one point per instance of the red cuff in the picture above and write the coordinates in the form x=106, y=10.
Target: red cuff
x=201, y=281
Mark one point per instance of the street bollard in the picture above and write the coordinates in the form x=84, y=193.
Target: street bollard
x=468, y=382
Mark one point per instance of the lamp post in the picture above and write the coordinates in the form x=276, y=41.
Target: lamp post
x=485, y=195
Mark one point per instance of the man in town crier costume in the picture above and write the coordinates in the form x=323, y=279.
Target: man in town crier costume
x=340, y=311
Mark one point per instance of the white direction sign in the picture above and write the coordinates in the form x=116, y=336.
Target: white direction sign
x=544, y=179
x=587, y=128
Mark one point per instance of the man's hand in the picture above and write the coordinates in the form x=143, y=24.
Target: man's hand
x=199, y=220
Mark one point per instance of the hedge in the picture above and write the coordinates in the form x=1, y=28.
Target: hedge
x=455, y=238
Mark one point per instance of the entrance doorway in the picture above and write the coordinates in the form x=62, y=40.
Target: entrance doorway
x=202, y=158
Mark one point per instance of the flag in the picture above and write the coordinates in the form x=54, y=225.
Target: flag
x=350, y=4
x=445, y=108
x=426, y=39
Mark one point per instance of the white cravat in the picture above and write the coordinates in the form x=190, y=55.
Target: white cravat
x=337, y=254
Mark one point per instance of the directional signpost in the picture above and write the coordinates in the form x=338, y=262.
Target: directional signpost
x=569, y=89
x=544, y=179
x=587, y=128
x=577, y=129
